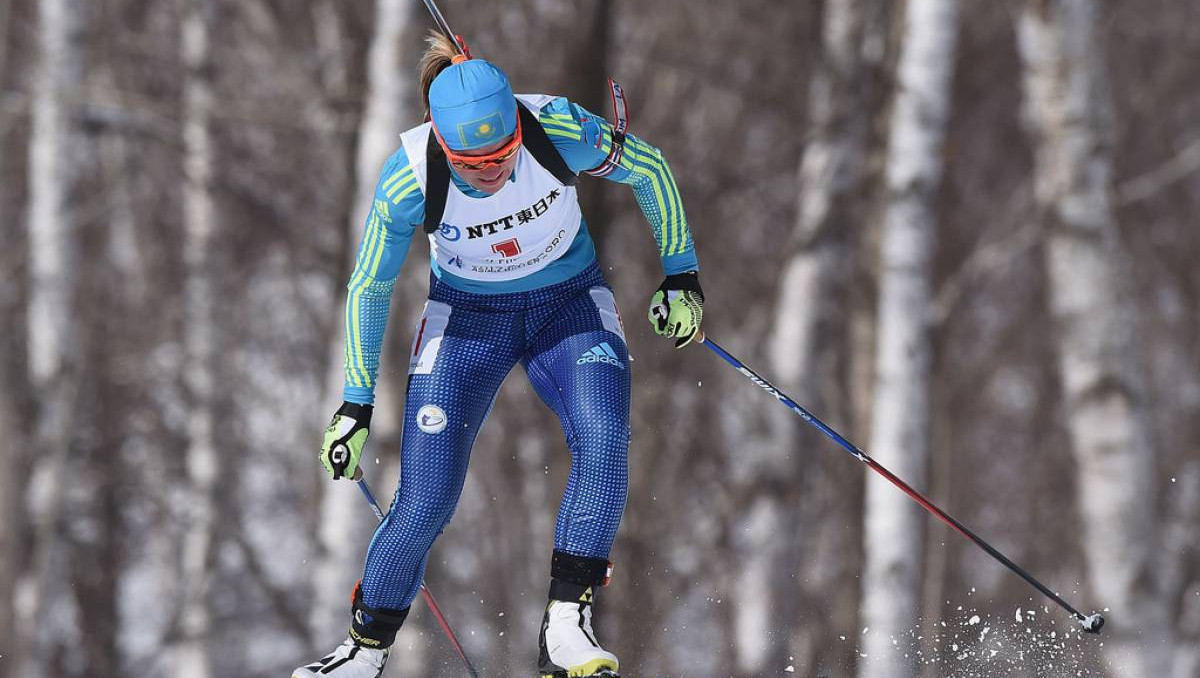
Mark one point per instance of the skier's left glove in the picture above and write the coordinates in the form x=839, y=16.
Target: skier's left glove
x=345, y=438
x=677, y=307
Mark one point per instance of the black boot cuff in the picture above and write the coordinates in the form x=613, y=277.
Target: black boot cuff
x=374, y=627
x=580, y=570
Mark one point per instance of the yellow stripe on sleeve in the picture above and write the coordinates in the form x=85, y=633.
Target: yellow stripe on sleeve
x=414, y=186
x=574, y=136
x=400, y=181
x=397, y=176
x=568, y=124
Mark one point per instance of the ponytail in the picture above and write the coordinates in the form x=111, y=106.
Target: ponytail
x=437, y=58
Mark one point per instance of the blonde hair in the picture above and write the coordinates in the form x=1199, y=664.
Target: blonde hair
x=437, y=57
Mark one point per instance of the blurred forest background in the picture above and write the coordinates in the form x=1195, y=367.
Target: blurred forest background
x=963, y=233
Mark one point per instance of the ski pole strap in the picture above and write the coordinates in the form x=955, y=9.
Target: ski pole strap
x=463, y=48
x=620, y=127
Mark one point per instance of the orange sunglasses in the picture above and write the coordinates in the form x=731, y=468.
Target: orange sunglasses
x=479, y=162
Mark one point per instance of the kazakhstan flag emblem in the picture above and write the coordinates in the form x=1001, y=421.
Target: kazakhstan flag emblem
x=482, y=131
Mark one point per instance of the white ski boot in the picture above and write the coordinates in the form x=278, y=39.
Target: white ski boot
x=568, y=647
x=349, y=660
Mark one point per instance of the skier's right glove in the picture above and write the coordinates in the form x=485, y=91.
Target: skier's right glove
x=345, y=438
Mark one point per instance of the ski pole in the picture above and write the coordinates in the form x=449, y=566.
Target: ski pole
x=444, y=27
x=425, y=592
x=1091, y=624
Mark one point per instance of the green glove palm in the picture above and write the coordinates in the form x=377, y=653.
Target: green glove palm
x=344, y=440
x=678, y=307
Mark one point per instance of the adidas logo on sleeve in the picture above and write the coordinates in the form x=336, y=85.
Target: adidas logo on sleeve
x=601, y=353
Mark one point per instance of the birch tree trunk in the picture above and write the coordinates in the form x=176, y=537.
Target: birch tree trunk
x=5, y=14
x=192, y=658
x=1070, y=114
x=51, y=327
x=51, y=251
x=893, y=542
x=810, y=329
x=10, y=491
x=124, y=252
x=830, y=178
x=10, y=495
x=588, y=62
x=345, y=522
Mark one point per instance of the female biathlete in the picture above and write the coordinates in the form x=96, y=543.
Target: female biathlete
x=491, y=179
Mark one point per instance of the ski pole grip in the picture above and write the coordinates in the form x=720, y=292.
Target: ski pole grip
x=696, y=335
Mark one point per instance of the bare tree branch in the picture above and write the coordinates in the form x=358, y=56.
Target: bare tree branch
x=1149, y=184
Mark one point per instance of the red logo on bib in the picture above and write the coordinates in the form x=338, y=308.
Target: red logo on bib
x=507, y=249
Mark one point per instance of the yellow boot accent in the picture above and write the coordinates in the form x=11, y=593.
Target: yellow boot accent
x=591, y=668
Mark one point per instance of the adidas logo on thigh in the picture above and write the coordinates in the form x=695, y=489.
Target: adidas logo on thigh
x=601, y=353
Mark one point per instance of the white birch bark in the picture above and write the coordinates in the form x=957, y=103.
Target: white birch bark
x=809, y=333
x=192, y=658
x=124, y=250
x=830, y=170
x=5, y=13
x=1070, y=113
x=10, y=505
x=893, y=524
x=345, y=521
x=51, y=176
x=52, y=260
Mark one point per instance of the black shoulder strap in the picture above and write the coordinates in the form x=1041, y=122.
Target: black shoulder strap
x=437, y=183
x=437, y=172
x=535, y=139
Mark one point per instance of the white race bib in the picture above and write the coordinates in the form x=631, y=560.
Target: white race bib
x=531, y=221
x=517, y=231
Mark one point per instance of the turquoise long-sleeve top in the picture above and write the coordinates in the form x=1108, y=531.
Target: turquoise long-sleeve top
x=584, y=140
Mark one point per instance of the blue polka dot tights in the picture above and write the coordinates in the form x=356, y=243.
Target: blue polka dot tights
x=568, y=338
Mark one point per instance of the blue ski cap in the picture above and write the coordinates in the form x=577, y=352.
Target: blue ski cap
x=472, y=105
